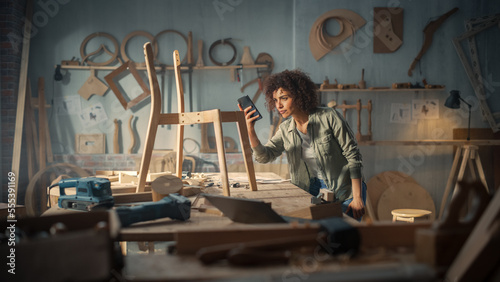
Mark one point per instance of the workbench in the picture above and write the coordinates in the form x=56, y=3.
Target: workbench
x=158, y=264
x=381, y=257
x=283, y=196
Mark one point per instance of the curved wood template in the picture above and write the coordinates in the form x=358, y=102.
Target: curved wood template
x=321, y=43
x=133, y=34
x=133, y=140
x=85, y=57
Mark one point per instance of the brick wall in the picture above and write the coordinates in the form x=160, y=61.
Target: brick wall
x=12, y=14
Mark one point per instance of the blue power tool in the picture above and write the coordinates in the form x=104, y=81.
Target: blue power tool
x=91, y=193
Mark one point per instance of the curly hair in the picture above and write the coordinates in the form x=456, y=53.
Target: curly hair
x=299, y=84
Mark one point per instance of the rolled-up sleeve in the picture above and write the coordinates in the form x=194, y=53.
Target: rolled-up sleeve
x=271, y=150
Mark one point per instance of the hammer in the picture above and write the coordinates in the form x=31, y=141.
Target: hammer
x=335, y=236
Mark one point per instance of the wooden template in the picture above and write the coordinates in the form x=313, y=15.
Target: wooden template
x=142, y=33
x=90, y=143
x=404, y=195
x=429, y=30
x=387, y=29
x=102, y=48
x=320, y=42
x=133, y=136
x=130, y=66
x=92, y=85
x=378, y=184
x=182, y=118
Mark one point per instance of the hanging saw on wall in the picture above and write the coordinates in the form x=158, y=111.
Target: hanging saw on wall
x=429, y=30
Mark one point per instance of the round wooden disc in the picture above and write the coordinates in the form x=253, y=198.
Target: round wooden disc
x=167, y=184
x=380, y=182
x=404, y=196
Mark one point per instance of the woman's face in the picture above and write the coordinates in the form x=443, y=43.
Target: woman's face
x=284, y=102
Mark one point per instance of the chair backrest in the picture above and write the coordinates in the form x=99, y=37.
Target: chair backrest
x=153, y=79
x=178, y=81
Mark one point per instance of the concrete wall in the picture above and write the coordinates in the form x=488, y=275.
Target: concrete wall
x=280, y=28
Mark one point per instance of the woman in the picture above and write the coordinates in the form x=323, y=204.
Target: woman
x=321, y=148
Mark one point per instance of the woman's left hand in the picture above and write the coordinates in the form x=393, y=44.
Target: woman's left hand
x=357, y=207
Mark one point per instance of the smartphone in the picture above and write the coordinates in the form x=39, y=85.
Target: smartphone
x=246, y=102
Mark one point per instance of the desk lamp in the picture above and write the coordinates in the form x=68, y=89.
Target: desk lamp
x=453, y=102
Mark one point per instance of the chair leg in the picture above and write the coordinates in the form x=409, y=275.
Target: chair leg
x=221, y=152
x=245, y=149
x=146, y=155
x=180, y=150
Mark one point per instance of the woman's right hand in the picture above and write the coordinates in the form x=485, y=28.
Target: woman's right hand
x=254, y=140
x=248, y=117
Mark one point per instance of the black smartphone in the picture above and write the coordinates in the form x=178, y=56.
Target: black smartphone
x=246, y=102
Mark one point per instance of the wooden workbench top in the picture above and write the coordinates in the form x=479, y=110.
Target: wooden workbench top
x=283, y=196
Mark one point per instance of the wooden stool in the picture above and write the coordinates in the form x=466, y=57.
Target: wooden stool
x=409, y=215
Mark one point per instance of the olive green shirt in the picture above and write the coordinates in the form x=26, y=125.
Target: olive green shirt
x=335, y=147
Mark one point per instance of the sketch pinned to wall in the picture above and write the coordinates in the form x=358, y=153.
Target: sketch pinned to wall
x=93, y=115
x=401, y=113
x=69, y=105
x=425, y=109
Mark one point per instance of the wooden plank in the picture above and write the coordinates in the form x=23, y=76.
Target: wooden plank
x=32, y=164
x=479, y=255
x=372, y=236
x=42, y=119
x=21, y=96
x=125, y=198
x=430, y=142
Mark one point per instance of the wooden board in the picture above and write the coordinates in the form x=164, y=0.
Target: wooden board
x=387, y=29
x=404, y=196
x=90, y=144
x=21, y=95
x=380, y=182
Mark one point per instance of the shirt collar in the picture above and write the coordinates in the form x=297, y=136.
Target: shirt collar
x=292, y=125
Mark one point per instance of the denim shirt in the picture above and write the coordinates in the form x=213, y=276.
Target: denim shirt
x=335, y=147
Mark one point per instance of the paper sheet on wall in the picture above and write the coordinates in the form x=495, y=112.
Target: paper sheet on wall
x=425, y=109
x=93, y=115
x=401, y=113
x=69, y=105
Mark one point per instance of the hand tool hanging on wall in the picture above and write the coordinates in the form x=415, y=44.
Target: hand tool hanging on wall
x=429, y=30
x=362, y=82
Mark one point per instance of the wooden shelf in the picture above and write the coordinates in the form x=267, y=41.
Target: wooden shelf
x=169, y=67
x=384, y=90
x=484, y=142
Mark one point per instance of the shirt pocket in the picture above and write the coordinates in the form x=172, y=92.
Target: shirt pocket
x=325, y=144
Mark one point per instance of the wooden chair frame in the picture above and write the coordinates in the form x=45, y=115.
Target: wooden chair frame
x=182, y=118
x=358, y=106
